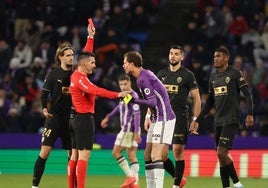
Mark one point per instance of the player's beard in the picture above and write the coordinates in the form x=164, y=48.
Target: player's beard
x=69, y=66
x=174, y=63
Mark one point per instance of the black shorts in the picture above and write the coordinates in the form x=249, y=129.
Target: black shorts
x=82, y=131
x=224, y=135
x=180, y=134
x=57, y=127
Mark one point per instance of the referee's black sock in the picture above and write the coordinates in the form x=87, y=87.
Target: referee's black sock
x=39, y=168
x=169, y=167
x=224, y=176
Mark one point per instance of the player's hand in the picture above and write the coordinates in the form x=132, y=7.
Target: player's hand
x=46, y=114
x=104, y=122
x=147, y=123
x=137, y=138
x=194, y=127
x=123, y=93
x=249, y=121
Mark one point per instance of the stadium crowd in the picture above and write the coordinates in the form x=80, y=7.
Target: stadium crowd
x=31, y=30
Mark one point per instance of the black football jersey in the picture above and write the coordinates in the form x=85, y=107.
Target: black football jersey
x=178, y=85
x=57, y=83
x=225, y=87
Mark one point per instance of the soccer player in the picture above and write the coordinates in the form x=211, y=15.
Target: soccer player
x=179, y=82
x=225, y=85
x=159, y=136
x=83, y=94
x=129, y=136
x=57, y=109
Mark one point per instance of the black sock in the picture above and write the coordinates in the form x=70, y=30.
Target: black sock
x=169, y=167
x=224, y=176
x=179, y=170
x=232, y=172
x=39, y=168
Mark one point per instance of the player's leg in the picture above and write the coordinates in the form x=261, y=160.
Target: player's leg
x=149, y=173
x=179, y=141
x=39, y=166
x=49, y=136
x=168, y=164
x=161, y=139
x=224, y=144
x=134, y=164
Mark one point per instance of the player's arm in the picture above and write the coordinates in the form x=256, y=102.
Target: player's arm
x=105, y=121
x=147, y=120
x=197, y=102
x=136, y=121
x=249, y=101
x=44, y=95
x=150, y=99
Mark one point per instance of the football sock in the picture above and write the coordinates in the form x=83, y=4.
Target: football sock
x=149, y=174
x=71, y=173
x=122, y=162
x=159, y=173
x=179, y=170
x=224, y=176
x=81, y=169
x=169, y=167
x=135, y=168
x=39, y=168
x=232, y=172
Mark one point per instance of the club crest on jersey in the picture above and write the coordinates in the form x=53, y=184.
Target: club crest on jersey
x=179, y=79
x=147, y=91
x=136, y=107
x=227, y=79
x=241, y=79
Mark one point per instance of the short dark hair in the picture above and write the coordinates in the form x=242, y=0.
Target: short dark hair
x=178, y=47
x=135, y=57
x=84, y=55
x=223, y=50
x=124, y=77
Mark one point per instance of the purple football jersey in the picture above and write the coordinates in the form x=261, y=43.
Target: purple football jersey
x=155, y=96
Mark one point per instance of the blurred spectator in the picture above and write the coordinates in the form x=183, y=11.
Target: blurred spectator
x=28, y=89
x=21, y=59
x=261, y=52
x=138, y=26
x=237, y=27
x=6, y=53
x=250, y=40
x=24, y=10
x=46, y=52
x=34, y=119
x=5, y=105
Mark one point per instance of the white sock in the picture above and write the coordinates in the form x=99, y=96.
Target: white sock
x=124, y=166
x=175, y=186
x=159, y=177
x=34, y=187
x=149, y=174
x=135, y=168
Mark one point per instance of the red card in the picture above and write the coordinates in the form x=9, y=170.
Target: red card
x=90, y=21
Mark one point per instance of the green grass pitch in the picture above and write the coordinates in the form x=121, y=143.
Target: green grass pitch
x=103, y=181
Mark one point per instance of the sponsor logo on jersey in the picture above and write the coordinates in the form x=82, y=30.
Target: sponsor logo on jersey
x=65, y=90
x=172, y=88
x=221, y=90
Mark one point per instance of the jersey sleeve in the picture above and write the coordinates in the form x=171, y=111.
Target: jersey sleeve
x=88, y=87
x=192, y=81
x=240, y=79
x=148, y=93
x=89, y=45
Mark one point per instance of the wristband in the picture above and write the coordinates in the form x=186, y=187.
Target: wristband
x=148, y=116
x=194, y=118
x=89, y=37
